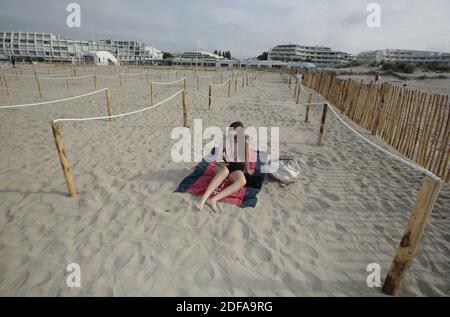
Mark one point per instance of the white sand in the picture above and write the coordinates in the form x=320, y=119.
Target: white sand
x=133, y=236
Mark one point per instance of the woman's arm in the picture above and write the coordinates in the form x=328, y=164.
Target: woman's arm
x=247, y=153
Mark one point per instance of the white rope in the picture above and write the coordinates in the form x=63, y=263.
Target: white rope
x=394, y=156
x=222, y=84
x=117, y=115
x=32, y=76
x=205, y=77
x=107, y=76
x=130, y=75
x=52, y=101
x=169, y=83
x=64, y=78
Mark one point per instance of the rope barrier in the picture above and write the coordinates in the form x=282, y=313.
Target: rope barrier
x=222, y=84
x=117, y=115
x=394, y=156
x=131, y=75
x=169, y=83
x=53, y=101
x=64, y=78
x=33, y=76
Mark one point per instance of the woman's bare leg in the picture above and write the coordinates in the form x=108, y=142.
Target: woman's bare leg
x=221, y=175
x=238, y=181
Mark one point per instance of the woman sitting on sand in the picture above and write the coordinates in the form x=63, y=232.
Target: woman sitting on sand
x=233, y=168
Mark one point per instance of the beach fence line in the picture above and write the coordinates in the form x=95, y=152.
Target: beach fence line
x=247, y=80
x=414, y=123
x=60, y=145
x=106, y=90
x=431, y=184
x=153, y=86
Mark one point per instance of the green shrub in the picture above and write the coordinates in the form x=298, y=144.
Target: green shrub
x=399, y=67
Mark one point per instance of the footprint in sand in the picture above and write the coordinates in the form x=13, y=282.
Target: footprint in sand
x=330, y=196
x=262, y=254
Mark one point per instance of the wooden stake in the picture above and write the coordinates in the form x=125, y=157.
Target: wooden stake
x=63, y=160
x=322, y=124
x=184, y=84
x=198, y=83
x=152, y=97
x=185, y=109
x=420, y=214
x=308, y=107
x=39, y=87
x=229, y=87
x=67, y=83
x=6, y=85
x=108, y=104
x=298, y=94
x=210, y=95
x=235, y=85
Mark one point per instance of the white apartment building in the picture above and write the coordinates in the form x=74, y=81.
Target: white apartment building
x=408, y=56
x=318, y=55
x=52, y=47
x=199, y=55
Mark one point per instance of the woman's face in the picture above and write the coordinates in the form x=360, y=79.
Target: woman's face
x=233, y=135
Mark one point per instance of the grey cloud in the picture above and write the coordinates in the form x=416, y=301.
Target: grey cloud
x=246, y=27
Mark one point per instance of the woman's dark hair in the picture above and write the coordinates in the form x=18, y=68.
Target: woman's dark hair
x=236, y=125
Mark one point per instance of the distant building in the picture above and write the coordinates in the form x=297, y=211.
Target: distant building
x=52, y=47
x=407, y=56
x=200, y=55
x=318, y=55
x=100, y=58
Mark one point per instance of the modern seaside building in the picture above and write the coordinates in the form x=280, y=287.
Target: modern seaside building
x=319, y=55
x=408, y=56
x=200, y=55
x=52, y=47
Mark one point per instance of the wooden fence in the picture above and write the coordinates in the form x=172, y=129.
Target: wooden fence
x=414, y=123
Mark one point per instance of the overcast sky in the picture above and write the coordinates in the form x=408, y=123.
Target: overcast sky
x=245, y=27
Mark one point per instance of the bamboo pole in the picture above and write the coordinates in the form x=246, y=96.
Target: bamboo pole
x=6, y=85
x=210, y=96
x=308, y=107
x=437, y=132
x=63, y=160
x=152, y=96
x=95, y=81
x=185, y=109
x=108, y=103
x=445, y=153
x=322, y=124
x=420, y=214
x=39, y=87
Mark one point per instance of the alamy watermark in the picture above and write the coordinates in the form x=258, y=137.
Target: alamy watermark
x=73, y=19
x=223, y=145
x=73, y=280
x=374, y=18
x=374, y=277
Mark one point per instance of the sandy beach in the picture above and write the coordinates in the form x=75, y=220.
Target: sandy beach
x=133, y=236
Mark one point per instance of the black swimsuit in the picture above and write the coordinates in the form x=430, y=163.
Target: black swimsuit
x=233, y=166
